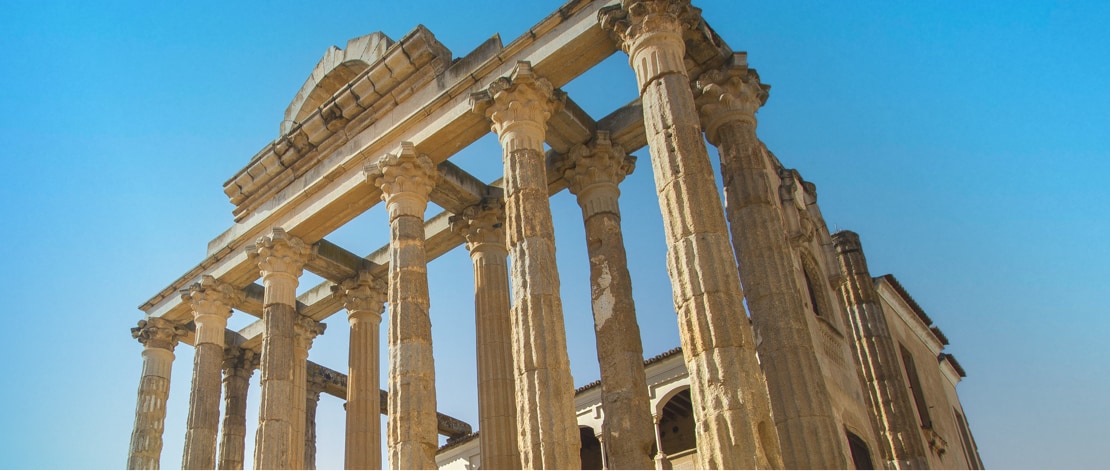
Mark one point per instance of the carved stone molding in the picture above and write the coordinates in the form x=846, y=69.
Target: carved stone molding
x=406, y=179
x=156, y=332
x=481, y=224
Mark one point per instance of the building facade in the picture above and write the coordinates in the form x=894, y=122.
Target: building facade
x=792, y=355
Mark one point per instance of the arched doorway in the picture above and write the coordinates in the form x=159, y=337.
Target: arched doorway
x=591, y=449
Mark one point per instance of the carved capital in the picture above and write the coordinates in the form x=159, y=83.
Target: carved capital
x=306, y=331
x=211, y=297
x=363, y=293
x=406, y=179
x=481, y=225
x=729, y=94
x=241, y=360
x=650, y=32
x=280, y=253
x=519, y=107
x=156, y=332
x=599, y=163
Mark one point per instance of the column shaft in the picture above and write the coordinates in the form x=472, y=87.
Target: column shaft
x=519, y=107
x=239, y=365
x=406, y=180
x=483, y=230
x=159, y=337
x=732, y=410
x=803, y=412
x=592, y=173
x=312, y=399
x=364, y=298
x=898, y=427
x=281, y=416
x=211, y=301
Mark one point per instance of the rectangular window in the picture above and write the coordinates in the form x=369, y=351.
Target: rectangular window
x=915, y=388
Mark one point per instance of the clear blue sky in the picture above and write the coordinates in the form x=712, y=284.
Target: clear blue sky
x=967, y=143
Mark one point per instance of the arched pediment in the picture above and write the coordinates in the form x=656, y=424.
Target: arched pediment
x=337, y=68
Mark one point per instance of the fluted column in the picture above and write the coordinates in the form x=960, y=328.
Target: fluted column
x=159, y=337
x=483, y=228
x=313, y=387
x=808, y=432
x=592, y=174
x=519, y=107
x=239, y=365
x=878, y=357
x=406, y=180
x=281, y=259
x=211, y=301
x=364, y=298
x=731, y=406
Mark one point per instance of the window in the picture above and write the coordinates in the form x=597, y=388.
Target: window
x=915, y=388
x=861, y=456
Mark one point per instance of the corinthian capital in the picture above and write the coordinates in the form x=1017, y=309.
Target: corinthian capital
x=481, y=224
x=281, y=253
x=306, y=330
x=406, y=179
x=520, y=99
x=633, y=20
x=211, y=296
x=599, y=163
x=731, y=93
x=156, y=332
x=363, y=293
x=243, y=359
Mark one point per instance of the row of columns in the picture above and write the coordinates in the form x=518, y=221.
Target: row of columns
x=521, y=345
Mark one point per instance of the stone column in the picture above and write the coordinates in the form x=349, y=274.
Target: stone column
x=519, y=107
x=731, y=406
x=661, y=461
x=364, y=297
x=406, y=180
x=592, y=174
x=239, y=365
x=306, y=330
x=314, y=385
x=281, y=259
x=159, y=337
x=483, y=228
x=878, y=357
x=211, y=301
x=808, y=432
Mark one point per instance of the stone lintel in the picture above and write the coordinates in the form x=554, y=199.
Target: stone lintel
x=569, y=126
x=456, y=189
x=335, y=384
x=334, y=263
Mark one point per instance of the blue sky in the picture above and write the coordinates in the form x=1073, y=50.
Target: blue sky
x=967, y=143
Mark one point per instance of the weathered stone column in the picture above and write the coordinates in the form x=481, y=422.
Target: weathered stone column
x=306, y=330
x=735, y=429
x=159, y=337
x=878, y=356
x=364, y=297
x=314, y=385
x=406, y=180
x=519, y=107
x=211, y=301
x=483, y=229
x=278, y=445
x=661, y=461
x=239, y=365
x=592, y=174
x=804, y=416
